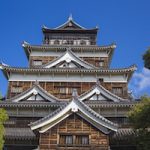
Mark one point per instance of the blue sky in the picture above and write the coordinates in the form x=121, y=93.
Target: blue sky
x=124, y=22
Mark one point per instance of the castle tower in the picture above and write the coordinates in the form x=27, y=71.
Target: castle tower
x=63, y=98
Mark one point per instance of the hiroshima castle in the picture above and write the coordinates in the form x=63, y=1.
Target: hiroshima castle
x=68, y=98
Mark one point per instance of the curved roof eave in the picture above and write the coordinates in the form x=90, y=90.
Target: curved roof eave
x=49, y=97
x=74, y=106
x=27, y=48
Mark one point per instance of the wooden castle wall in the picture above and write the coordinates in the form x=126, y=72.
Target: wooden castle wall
x=75, y=126
x=92, y=60
x=44, y=59
x=63, y=90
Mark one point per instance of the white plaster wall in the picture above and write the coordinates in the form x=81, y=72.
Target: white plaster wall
x=74, y=77
x=85, y=54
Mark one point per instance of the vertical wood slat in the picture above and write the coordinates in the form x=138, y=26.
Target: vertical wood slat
x=96, y=137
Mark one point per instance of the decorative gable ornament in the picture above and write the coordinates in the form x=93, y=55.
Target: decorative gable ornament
x=35, y=93
x=81, y=109
x=98, y=92
x=71, y=59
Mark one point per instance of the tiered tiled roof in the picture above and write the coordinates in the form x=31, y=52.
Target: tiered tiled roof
x=101, y=94
x=69, y=26
x=7, y=69
x=81, y=109
x=75, y=48
x=37, y=91
x=19, y=133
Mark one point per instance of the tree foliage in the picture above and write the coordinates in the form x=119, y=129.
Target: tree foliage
x=139, y=116
x=146, y=58
x=3, y=118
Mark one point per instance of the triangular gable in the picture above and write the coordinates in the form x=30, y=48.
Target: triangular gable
x=81, y=109
x=68, y=60
x=69, y=24
x=98, y=92
x=35, y=93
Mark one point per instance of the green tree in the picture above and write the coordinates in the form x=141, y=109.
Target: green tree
x=146, y=58
x=3, y=118
x=139, y=116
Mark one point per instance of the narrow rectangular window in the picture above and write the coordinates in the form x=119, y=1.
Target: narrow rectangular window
x=66, y=139
x=82, y=139
x=37, y=62
x=101, y=63
x=62, y=90
x=117, y=90
x=16, y=89
x=69, y=139
x=85, y=140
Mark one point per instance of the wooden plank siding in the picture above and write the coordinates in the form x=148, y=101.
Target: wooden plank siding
x=92, y=60
x=73, y=125
x=54, y=88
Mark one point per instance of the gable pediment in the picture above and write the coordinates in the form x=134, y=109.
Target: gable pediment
x=70, y=24
x=98, y=92
x=35, y=93
x=68, y=60
x=78, y=107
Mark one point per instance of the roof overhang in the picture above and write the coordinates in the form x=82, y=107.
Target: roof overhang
x=42, y=48
x=81, y=109
x=7, y=70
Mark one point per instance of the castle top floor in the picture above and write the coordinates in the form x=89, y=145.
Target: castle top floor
x=69, y=33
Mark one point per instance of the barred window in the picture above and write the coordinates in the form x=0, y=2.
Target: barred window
x=101, y=63
x=82, y=139
x=66, y=139
x=117, y=90
x=16, y=89
x=37, y=62
x=74, y=139
x=62, y=90
x=65, y=90
x=69, y=139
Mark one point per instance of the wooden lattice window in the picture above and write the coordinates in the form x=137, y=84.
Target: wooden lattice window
x=65, y=90
x=37, y=62
x=74, y=139
x=117, y=90
x=66, y=139
x=82, y=139
x=16, y=89
x=101, y=63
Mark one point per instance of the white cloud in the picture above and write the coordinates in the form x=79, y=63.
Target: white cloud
x=140, y=81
